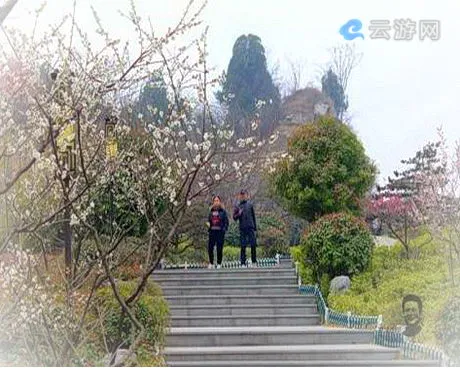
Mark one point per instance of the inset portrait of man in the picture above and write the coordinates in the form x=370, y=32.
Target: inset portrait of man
x=412, y=312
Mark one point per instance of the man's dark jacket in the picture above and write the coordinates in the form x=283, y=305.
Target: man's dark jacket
x=244, y=212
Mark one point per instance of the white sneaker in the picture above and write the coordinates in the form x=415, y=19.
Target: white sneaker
x=219, y=267
x=210, y=266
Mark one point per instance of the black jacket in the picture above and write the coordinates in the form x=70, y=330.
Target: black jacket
x=223, y=219
x=244, y=213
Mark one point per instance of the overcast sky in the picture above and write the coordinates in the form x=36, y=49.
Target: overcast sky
x=399, y=94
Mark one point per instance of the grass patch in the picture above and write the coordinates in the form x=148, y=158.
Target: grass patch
x=390, y=276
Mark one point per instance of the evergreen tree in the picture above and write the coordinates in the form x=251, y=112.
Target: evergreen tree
x=152, y=104
x=332, y=88
x=396, y=204
x=408, y=181
x=247, y=82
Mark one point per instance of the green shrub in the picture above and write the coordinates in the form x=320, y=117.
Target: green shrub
x=330, y=171
x=324, y=285
x=232, y=237
x=186, y=251
x=272, y=235
x=146, y=357
x=151, y=310
x=338, y=244
x=115, y=207
x=272, y=232
x=390, y=276
x=448, y=328
x=267, y=251
x=116, y=204
x=231, y=253
x=305, y=271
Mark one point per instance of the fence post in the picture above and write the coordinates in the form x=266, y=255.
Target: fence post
x=299, y=281
x=348, y=319
x=277, y=258
x=326, y=315
x=379, y=322
x=185, y=266
x=296, y=268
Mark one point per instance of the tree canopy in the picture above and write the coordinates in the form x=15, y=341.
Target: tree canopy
x=248, y=88
x=327, y=170
x=333, y=89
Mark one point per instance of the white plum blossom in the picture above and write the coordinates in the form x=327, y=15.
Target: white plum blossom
x=175, y=161
x=274, y=138
x=260, y=104
x=197, y=159
x=206, y=145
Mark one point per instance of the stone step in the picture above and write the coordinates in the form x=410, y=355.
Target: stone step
x=231, y=289
x=224, y=273
x=306, y=363
x=286, y=263
x=235, y=321
x=269, y=299
x=281, y=353
x=242, y=309
x=243, y=336
x=222, y=281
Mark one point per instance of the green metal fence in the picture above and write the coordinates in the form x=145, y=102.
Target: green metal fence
x=261, y=263
x=331, y=317
x=410, y=350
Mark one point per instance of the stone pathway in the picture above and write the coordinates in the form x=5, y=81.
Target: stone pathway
x=256, y=317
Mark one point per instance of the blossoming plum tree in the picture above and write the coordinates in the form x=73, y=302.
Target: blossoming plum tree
x=58, y=91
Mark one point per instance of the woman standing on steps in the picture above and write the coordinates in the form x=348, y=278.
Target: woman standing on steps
x=218, y=225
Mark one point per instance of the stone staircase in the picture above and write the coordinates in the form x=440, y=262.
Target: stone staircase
x=256, y=317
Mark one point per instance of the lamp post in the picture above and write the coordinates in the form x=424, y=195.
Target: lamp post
x=66, y=146
x=110, y=152
x=69, y=162
x=67, y=150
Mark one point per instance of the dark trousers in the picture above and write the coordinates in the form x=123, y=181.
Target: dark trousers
x=247, y=237
x=216, y=237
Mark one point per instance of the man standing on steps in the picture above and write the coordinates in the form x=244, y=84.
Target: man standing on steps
x=244, y=213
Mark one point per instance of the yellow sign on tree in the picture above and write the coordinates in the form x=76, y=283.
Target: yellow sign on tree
x=66, y=138
x=111, y=148
x=111, y=145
